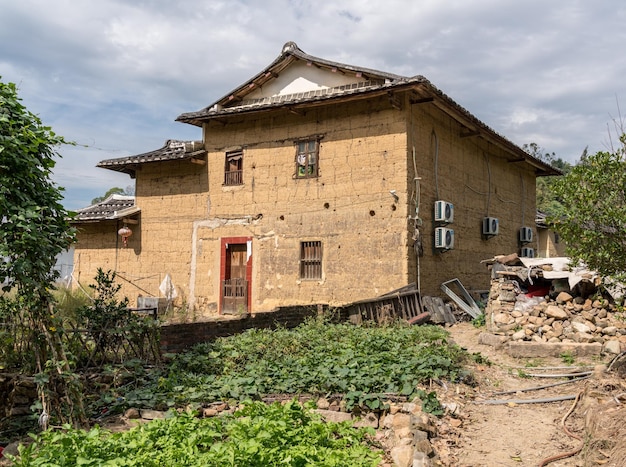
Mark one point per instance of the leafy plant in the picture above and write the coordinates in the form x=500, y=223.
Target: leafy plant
x=363, y=363
x=568, y=358
x=106, y=313
x=479, y=358
x=479, y=321
x=430, y=403
x=256, y=435
x=533, y=363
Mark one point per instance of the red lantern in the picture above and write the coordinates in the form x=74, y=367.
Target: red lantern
x=125, y=232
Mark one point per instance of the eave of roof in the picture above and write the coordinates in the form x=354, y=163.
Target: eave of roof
x=377, y=83
x=171, y=150
x=115, y=207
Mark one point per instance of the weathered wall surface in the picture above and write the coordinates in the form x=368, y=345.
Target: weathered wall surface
x=348, y=207
x=549, y=245
x=366, y=152
x=187, y=210
x=479, y=180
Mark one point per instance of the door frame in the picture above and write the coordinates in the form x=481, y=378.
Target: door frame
x=225, y=241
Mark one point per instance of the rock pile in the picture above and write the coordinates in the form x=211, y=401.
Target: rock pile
x=564, y=319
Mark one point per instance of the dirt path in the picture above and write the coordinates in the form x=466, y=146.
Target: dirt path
x=512, y=434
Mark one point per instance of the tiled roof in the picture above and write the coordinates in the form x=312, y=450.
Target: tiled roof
x=374, y=83
x=235, y=100
x=172, y=150
x=112, y=208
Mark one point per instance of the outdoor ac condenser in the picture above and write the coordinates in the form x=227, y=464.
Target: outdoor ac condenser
x=525, y=235
x=444, y=212
x=527, y=252
x=444, y=238
x=491, y=226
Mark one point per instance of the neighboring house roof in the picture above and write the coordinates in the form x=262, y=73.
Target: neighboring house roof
x=113, y=208
x=266, y=91
x=541, y=220
x=172, y=150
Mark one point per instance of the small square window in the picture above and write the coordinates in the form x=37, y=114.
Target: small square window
x=233, y=169
x=307, y=153
x=311, y=260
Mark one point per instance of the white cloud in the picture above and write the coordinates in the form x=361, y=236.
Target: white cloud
x=114, y=74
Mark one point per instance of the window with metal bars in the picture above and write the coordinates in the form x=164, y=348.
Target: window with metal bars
x=233, y=169
x=311, y=260
x=307, y=153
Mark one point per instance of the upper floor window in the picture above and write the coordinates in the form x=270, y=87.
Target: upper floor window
x=307, y=153
x=233, y=169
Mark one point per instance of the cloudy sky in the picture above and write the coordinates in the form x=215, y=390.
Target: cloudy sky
x=112, y=75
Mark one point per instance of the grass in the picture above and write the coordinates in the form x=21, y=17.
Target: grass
x=568, y=358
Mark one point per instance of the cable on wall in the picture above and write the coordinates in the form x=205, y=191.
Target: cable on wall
x=488, y=182
x=521, y=177
x=434, y=136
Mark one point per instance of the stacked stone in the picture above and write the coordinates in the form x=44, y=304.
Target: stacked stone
x=18, y=393
x=566, y=319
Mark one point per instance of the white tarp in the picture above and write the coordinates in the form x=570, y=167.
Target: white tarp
x=561, y=269
x=167, y=288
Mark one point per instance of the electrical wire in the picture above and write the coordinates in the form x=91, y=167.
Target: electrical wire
x=436, y=138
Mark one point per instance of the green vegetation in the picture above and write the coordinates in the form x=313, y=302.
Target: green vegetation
x=365, y=365
x=257, y=435
x=594, y=198
x=362, y=364
x=35, y=229
x=547, y=201
x=568, y=358
x=533, y=363
x=479, y=321
x=116, y=190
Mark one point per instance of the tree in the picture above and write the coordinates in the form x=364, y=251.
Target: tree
x=116, y=190
x=593, y=225
x=547, y=202
x=34, y=231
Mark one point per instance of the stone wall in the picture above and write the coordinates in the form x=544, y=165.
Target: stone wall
x=564, y=319
x=17, y=394
x=177, y=337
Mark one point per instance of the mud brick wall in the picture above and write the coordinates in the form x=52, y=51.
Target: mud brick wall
x=367, y=150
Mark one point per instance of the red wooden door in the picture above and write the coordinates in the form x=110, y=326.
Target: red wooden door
x=235, y=286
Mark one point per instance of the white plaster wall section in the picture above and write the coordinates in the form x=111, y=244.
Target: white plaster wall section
x=302, y=78
x=196, y=245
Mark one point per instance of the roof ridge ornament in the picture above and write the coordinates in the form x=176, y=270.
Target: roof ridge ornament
x=290, y=47
x=175, y=144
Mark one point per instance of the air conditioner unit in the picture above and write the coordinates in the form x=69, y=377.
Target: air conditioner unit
x=525, y=235
x=527, y=252
x=444, y=212
x=491, y=226
x=444, y=238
